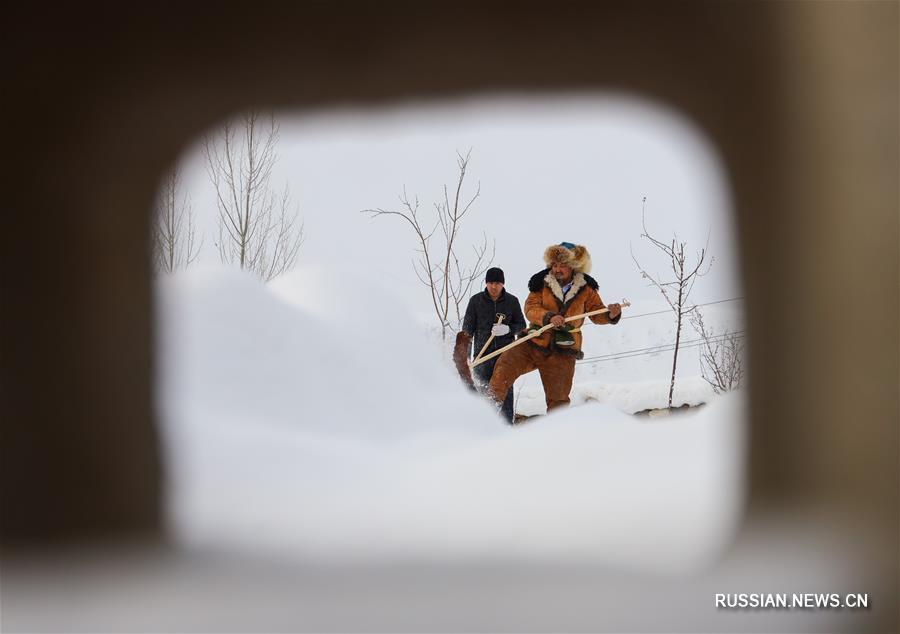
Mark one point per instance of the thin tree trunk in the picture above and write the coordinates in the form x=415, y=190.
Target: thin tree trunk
x=675, y=359
x=677, y=337
x=170, y=212
x=675, y=254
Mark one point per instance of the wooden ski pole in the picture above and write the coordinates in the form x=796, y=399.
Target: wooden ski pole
x=539, y=332
x=500, y=319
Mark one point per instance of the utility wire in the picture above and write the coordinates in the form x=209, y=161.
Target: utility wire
x=661, y=312
x=668, y=347
x=642, y=354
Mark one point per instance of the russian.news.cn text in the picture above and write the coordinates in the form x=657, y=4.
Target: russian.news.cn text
x=791, y=601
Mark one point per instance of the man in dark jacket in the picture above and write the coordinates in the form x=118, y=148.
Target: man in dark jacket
x=481, y=321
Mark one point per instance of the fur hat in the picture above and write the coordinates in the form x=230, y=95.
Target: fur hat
x=574, y=255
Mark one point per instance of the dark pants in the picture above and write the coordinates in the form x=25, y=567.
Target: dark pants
x=482, y=375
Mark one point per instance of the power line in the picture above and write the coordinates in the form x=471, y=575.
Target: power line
x=642, y=354
x=667, y=347
x=660, y=312
x=670, y=348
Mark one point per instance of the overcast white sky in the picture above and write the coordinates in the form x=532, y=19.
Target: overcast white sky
x=572, y=169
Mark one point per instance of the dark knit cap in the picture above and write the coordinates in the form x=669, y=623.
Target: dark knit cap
x=494, y=275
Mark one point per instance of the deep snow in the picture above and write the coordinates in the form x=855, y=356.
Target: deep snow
x=319, y=421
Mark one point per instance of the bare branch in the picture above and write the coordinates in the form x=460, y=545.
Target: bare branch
x=439, y=267
x=259, y=230
x=676, y=291
x=721, y=356
x=175, y=243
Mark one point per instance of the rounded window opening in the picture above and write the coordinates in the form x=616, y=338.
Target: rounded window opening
x=314, y=276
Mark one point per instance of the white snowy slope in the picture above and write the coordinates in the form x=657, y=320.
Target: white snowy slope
x=315, y=420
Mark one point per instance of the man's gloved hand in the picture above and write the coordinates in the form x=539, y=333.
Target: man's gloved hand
x=499, y=330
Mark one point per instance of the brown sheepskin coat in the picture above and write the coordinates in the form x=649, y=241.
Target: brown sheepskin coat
x=546, y=300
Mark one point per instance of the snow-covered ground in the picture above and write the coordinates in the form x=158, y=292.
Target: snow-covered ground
x=317, y=420
x=629, y=397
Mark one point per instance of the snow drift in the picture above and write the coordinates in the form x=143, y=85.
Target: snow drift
x=315, y=420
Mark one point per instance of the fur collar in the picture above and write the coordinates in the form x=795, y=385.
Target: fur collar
x=545, y=278
x=578, y=282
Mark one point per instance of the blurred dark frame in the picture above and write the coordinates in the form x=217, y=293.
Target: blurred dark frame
x=801, y=100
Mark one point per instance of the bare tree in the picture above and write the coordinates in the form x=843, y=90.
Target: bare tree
x=438, y=266
x=258, y=229
x=677, y=290
x=175, y=243
x=721, y=356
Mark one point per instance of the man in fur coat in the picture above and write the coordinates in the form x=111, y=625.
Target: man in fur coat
x=480, y=323
x=564, y=288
